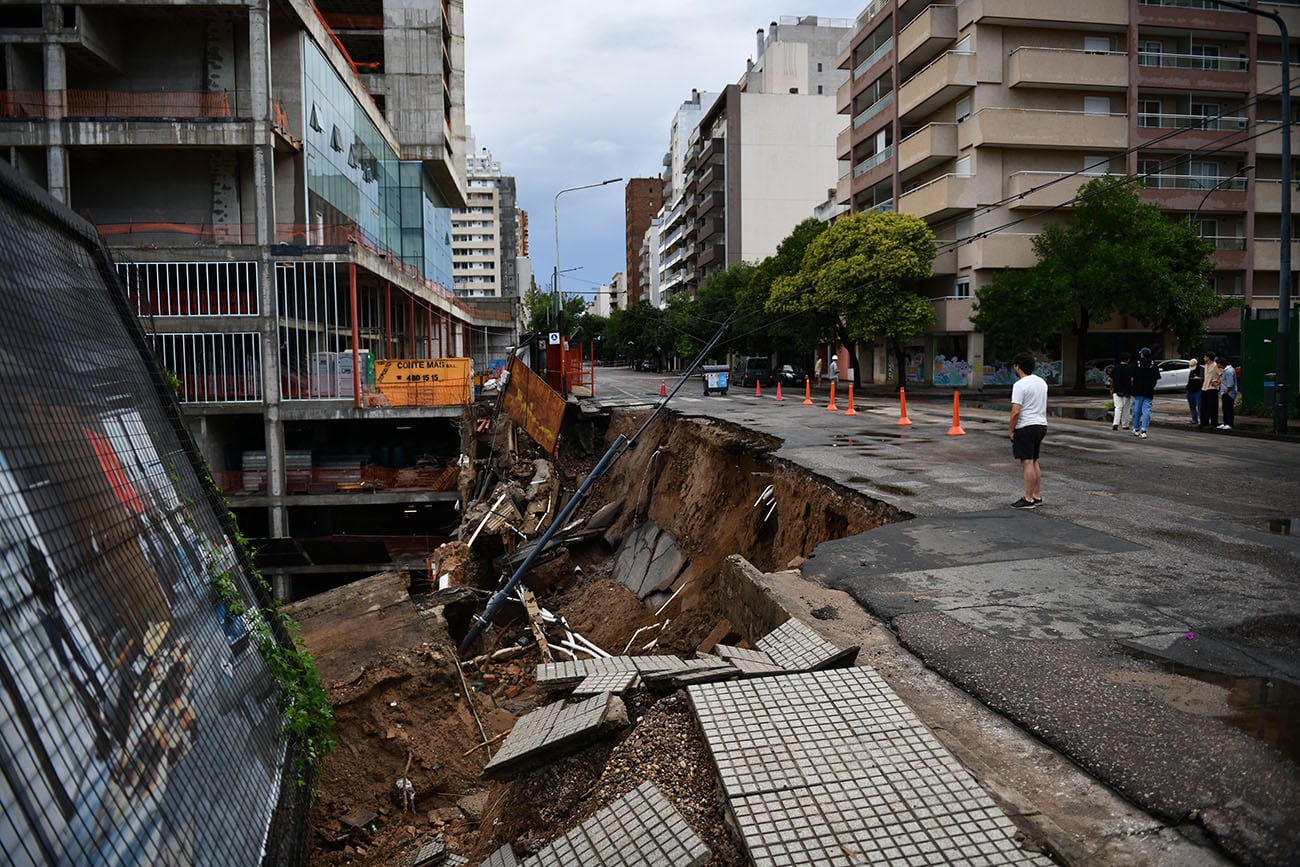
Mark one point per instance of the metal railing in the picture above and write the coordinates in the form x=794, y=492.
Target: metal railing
x=872, y=161
x=1163, y=120
x=77, y=103
x=191, y=288
x=872, y=110
x=1194, y=182
x=885, y=48
x=1211, y=62
x=213, y=367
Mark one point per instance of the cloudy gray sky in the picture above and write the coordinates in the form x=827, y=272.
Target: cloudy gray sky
x=565, y=93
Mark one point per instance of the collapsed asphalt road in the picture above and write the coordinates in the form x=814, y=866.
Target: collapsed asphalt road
x=1146, y=550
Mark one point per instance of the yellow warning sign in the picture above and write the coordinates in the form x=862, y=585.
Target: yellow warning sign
x=413, y=371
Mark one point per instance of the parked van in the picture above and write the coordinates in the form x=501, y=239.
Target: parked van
x=752, y=370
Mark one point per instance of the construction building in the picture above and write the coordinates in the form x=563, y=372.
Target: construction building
x=276, y=182
x=488, y=233
x=986, y=117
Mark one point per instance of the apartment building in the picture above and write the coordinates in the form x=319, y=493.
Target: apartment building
x=276, y=183
x=642, y=199
x=762, y=155
x=985, y=117
x=669, y=234
x=486, y=233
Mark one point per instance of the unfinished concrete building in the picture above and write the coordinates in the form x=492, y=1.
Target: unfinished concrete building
x=276, y=181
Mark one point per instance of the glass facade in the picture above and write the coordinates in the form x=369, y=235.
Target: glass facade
x=357, y=184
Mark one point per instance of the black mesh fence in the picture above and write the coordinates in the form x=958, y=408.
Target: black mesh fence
x=139, y=721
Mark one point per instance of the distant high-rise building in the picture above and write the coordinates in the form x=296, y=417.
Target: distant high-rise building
x=642, y=199
x=486, y=233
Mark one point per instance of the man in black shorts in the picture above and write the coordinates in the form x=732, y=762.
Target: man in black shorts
x=1028, y=427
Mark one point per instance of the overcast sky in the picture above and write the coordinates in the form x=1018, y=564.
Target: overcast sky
x=566, y=93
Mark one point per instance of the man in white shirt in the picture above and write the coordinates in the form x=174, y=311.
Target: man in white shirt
x=1028, y=427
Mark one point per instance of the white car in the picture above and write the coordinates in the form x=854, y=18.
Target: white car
x=1173, y=374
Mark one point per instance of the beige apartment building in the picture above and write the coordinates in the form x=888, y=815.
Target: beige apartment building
x=985, y=117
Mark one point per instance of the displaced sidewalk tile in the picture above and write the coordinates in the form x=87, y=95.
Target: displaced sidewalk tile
x=648, y=560
x=833, y=768
x=556, y=674
x=503, y=857
x=553, y=729
x=750, y=663
x=616, y=682
x=793, y=645
x=640, y=829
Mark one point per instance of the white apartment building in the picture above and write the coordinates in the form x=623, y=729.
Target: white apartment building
x=487, y=233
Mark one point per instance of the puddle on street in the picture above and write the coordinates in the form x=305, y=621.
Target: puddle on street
x=1281, y=526
x=888, y=489
x=1265, y=708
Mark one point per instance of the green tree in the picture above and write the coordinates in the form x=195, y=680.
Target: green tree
x=801, y=331
x=638, y=332
x=539, y=309
x=860, y=275
x=1113, y=256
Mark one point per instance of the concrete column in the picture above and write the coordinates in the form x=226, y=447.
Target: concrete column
x=975, y=355
x=282, y=587
x=259, y=86
x=56, y=155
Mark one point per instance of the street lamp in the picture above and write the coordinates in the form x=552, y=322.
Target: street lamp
x=1196, y=215
x=1281, y=388
x=558, y=294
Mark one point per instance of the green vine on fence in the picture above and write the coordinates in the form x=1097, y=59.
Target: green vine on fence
x=303, y=701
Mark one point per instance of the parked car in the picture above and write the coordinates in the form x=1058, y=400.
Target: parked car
x=753, y=370
x=1173, y=374
x=791, y=374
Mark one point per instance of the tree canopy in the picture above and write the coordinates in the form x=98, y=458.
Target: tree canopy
x=860, y=275
x=1113, y=256
x=539, y=308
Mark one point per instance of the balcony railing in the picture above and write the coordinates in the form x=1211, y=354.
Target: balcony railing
x=1211, y=62
x=1225, y=242
x=885, y=48
x=872, y=110
x=1194, y=182
x=884, y=207
x=872, y=161
x=1161, y=120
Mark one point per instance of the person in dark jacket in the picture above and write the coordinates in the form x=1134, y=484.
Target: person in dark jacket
x=1145, y=376
x=1195, y=379
x=1121, y=392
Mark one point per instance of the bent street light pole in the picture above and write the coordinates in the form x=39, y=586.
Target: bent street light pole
x=1196, y=215
x=1281, y=384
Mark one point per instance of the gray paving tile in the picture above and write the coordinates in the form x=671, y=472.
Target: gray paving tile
x=616, y=682
x=795, y=646
x=503, y=857
x=549, y=729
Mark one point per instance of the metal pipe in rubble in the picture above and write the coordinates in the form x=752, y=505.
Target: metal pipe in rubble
x=615, y=451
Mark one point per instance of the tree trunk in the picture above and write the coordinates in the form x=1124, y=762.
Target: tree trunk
x=1080, y=369
x=842, y=334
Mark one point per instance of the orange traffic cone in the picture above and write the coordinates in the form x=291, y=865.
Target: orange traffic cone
x=831, y=407
x=807, y=392
x=758, y=388
x=850, y=410
x=778, y=392
x=955, y=430
x=903, y=420
x=663, y=388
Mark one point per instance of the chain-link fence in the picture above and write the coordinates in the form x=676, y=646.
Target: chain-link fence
x=140, y=723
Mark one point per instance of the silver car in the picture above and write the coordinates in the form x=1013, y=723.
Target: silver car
x=1173, y=374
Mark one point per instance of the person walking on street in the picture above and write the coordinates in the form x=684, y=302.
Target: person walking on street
x=1195, y=378
x=1210, y=393
x=817, y=372
x=1121, y=392
x=834, y=371
x=1145, y=376
x=1028, y=427
x=1227, y=391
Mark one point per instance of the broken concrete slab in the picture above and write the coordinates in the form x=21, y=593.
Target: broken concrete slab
x=648, y=560
x=551, y=675
x=640, y=828
x=750, y=663
x=552, y=730
x=690, y=667
x=431, y=853
x=795, y=647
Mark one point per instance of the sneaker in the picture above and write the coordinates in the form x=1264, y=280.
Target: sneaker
x=1137, y=433
x=1022, y=503
x=1143, y=435
x=1114, y=427
x=1225, y=427
x=1038, y=501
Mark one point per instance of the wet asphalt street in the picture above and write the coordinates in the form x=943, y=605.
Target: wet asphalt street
x=1145, y=621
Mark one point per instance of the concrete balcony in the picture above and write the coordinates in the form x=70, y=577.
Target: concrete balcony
x=844, y=96
x=951, y=314
x=1067, y=68
x=844, y=143
x=941, y=197
x=1268, y=76
x=1038, y=190
x=707, y=229
x=1035, y=12
x=1268, y=197
x=1267, y=254
x=1023, y=127
x=708, y=203
x=942, y=81
x=928, y=34
x=945, y=261
x=1004, y=250
x=927, y=147
x=1271, y=142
